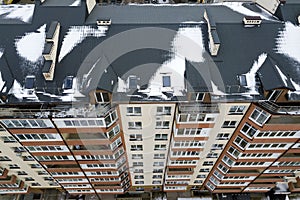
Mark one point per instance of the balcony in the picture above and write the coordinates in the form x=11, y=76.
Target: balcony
x=280, y=109
x=180, y=171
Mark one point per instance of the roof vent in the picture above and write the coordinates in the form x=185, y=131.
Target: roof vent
x=252, y=20
x=104, y=22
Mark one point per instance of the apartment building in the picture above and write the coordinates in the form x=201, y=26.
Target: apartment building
x=168, y=98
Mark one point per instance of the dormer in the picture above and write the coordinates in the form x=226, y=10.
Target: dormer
x=104, y=22
x=252, y=20
x=50, y=50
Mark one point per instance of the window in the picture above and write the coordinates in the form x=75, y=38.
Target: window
x=13, y=166
x=274, y=95
x=200, y=96
x=204, y=170
x=236, y=110
x=210, y=185
x=138, y=170
x=218, y=175
x=248, y=130
x=222, y=136
x=190, y=132
x=137, y=156
x=157, y=176
x=208, y=163
x=163, y=110
x=212, y=155
x=276, y=134
x=166, y=81
x=229, y=124
x=223, y=168
x=228, y=161
x=139, y=182
x=101, y=97
x=187, y=144
x=134, y=125
x=135, y=137
x=136, y=148
x=201, y=176
x=214, y=180
x=159, y=156
x=162, y=124
x=139, y=177
x=156, y=182
x=29, y=123
x=4, y=158
x=158, y=170
x=134, y=111
x=240, y=142
x=155, y=164
x=159, y=137
x=160, y=147
x=259, y=116
x=217, y=146
x=233, y=151
x=8, y=139
x=194, y=117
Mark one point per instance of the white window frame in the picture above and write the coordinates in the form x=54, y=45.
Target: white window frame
x=260, y=113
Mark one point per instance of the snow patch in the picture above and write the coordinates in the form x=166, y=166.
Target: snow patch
x=73, y=93
x=288, y=41
x=2, y=83
x=76, y=3
x=283, y=77
x=86, y=79
x=189, y=43
x=216, y=90
x=21, y=12
x=76, y=34
x=238, y=7
x=31, y=46
x=250, y=76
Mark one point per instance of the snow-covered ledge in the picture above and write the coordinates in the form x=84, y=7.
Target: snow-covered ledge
x=299, y=20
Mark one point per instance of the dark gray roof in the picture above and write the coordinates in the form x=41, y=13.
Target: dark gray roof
x=239, y=47
x=290, y=11
x=146, y=14
x=6, y=74
x=271, y=78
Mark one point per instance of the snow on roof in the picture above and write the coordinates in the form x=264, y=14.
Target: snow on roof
x=238, y=7
x=31, y=45
x=288, y=41
x=76, y=34
x=282, y=76
x=76, y=3
x=2, y=83
x=1, y=52
x=216, y=90
x=189, y=43
x=250, y=76
x=21, y=12
x=16, y=90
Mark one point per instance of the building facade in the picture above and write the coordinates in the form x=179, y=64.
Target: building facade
x=187, y=110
